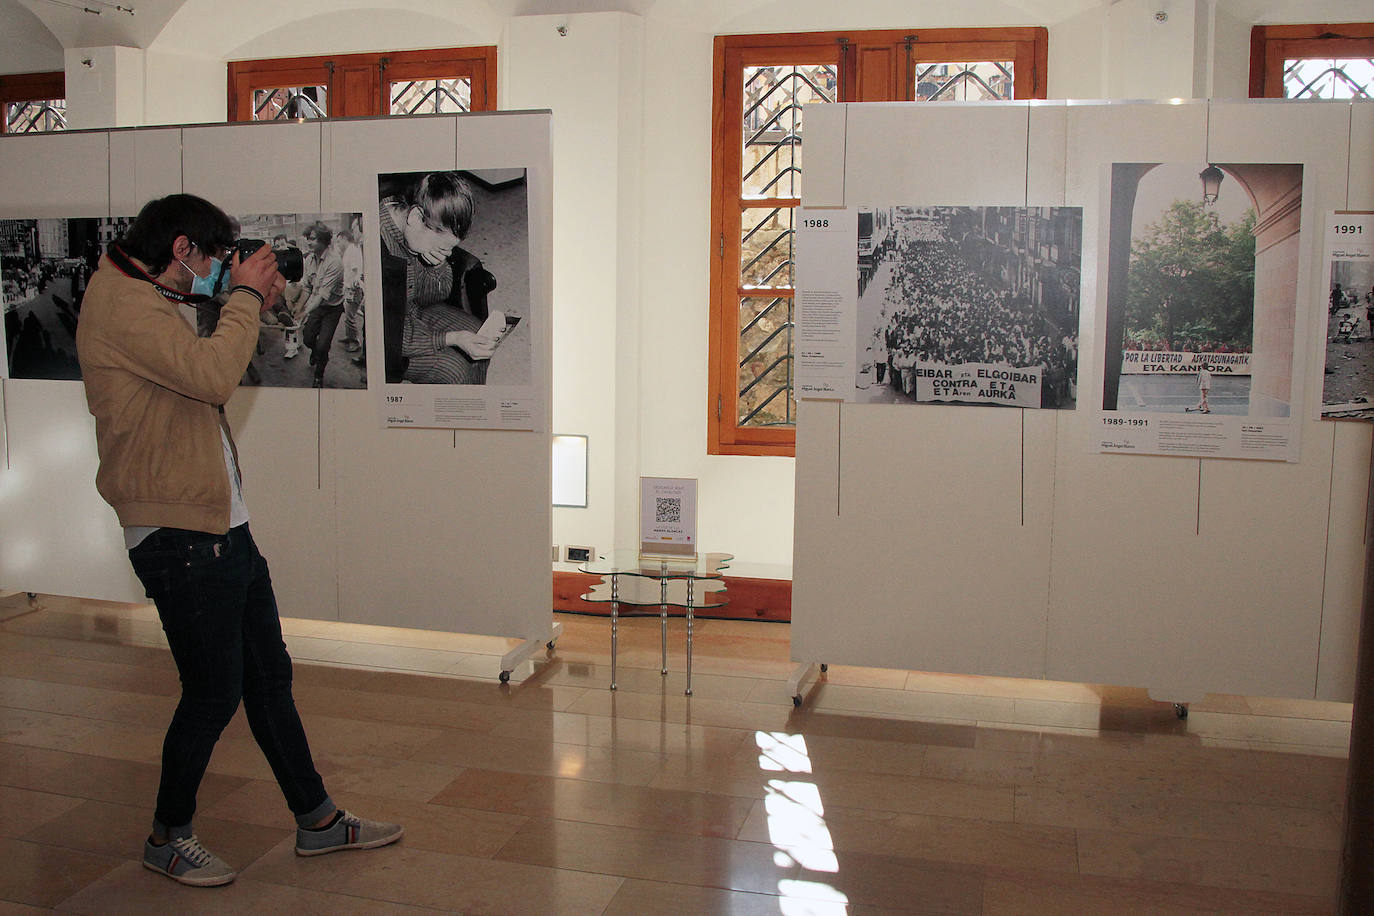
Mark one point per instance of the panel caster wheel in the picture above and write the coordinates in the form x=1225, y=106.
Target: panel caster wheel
x=1181, y=710
x=549, y=645
x=505, y=677
x=824, y=668
x=796, y=700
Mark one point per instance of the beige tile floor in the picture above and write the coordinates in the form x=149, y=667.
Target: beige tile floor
x=887, y=792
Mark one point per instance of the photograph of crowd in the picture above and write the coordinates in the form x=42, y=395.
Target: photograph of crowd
x=1184, y=313
x=314, y=337
x=45, y=265
x=975, y=305
x=1349, y=341
x=455, y=277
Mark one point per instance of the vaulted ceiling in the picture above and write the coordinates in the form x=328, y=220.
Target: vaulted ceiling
x=98, y=23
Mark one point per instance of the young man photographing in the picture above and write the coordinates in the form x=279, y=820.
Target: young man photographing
x=169, y=468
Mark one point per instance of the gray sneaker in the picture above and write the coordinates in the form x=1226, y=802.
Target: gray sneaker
x=184, y=859
x=348, y=832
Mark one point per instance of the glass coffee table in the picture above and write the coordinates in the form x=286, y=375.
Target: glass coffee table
x=628, y=578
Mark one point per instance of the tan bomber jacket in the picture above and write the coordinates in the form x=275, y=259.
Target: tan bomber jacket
x=156, y=391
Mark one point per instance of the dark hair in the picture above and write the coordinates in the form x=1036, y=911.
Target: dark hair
x=445, y=198
x=320, y=231
x=161, y=220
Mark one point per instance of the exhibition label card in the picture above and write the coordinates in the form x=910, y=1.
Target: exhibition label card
x=826, y=302
x=1348, y=286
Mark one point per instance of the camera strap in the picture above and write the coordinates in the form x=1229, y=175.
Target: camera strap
x=127, y=266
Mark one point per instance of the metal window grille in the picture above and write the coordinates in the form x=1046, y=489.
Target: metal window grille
x=1328, y=78
x=978, y=81
x=290, y=103
x=771, y=168
x=36, y=116
x=436, y=96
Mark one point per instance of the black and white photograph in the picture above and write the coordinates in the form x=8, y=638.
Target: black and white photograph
x=314, y=337
x=45, y=265
x=1189, y=330
x=454, y=249
x=969, y=305
x=1349, y=317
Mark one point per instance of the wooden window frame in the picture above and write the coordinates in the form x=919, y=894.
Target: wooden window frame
x=1270, y=45
x=874, y=66
x=30, y=87
x=357, y=82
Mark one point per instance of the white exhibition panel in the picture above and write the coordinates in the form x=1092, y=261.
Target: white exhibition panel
x=355, y=151
x=290, y=488
x=56, y=534
x=418, y=528
x=148, y=163
x=265, y=167
x=1361, y=187
x=986, y=164
x=435, y=528
x=1047, y=132
x=1350, y=461
x=905, y=576
x=824, y=144
x=1177, y=574
x=1343, y=587
x=64, y=174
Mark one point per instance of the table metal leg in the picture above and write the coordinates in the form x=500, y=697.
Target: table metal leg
x=689, y=637
x=615, y=620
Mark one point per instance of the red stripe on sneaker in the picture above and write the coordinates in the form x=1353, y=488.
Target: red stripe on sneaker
x=352, y=834
x=172, y=865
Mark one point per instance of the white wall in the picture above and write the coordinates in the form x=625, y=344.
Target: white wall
x=105, y=87
x=631, y=97
x=589, y=75
x=25, y=45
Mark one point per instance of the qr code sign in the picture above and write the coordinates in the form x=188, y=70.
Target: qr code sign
x=668, y=510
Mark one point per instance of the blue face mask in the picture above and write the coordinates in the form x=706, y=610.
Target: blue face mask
x=209, y=284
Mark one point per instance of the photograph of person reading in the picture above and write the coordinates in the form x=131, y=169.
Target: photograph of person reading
x=434, y=292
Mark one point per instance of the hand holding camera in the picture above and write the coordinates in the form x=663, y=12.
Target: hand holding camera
x=258, y=266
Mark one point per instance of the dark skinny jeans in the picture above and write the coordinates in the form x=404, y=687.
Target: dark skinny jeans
x=214, y=597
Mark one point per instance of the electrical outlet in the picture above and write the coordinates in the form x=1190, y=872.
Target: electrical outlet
x=577, y=554
x=556, y=555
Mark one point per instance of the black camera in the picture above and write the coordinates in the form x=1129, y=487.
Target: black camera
x=290, y=264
